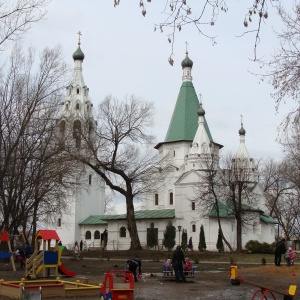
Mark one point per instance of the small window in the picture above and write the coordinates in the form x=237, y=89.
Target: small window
x=156, y=199
x=78, y=91
x=193, y=228
x=59, y=222
x=171, y=198
x=88, y=235
x=90, y=179
x=174, y=153
x=97, y=235
x=193, y=206
x=123, y=232
x=77, y=105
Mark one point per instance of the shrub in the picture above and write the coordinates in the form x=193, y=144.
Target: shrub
x=254, y=246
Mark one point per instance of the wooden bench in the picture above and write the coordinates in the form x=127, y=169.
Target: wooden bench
x=171, y=275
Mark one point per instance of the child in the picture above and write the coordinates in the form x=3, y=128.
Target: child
x=168, y=265
x=188, y=265
x=287, y=258
x=292, y=255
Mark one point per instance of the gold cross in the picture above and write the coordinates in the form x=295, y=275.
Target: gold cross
x=79, y=34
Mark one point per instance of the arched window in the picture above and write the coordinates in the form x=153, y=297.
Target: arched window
x=90, y=179
x=193, y=206
x=77, y=133
x=156, y=199
x=123, y=232
x=59, y=222
x=88, y=235
x=193, y=227
x=97, y=235
x=78, y=91
x=171, y=198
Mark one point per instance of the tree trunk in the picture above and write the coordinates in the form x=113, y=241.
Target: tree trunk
x=238, y=235
x=135, y=240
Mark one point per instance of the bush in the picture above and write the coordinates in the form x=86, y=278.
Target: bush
x=254, y=246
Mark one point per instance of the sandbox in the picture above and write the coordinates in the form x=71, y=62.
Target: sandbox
x=50, y=288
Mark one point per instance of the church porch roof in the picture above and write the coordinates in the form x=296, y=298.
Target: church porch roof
x=139, y=214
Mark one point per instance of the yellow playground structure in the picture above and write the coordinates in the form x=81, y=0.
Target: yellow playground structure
x=46, y=258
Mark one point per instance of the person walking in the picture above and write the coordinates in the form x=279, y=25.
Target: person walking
x=81, y=245
x=177, y=262
x=279, y=250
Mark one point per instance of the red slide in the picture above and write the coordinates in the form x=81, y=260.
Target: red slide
x=62, y=270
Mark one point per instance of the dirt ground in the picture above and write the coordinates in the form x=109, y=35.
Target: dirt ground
x=211, y=280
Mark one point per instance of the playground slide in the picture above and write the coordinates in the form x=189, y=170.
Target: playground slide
x=62, y=270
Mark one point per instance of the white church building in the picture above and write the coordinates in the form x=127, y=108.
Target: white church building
x=187, y=145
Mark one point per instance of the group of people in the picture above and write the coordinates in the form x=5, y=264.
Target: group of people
x=179, y=264
x=289, y=253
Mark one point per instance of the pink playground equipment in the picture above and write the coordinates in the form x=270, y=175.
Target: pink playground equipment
x=47, y=258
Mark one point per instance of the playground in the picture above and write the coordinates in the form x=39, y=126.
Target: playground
x=211, y=281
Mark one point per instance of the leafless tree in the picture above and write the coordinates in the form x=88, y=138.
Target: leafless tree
x=282, y=184
x=31, y=163
x=17, y=16
x=209, y=190
x=121, y=150
x=229, y=187
x=282, y=71
x=203, y=14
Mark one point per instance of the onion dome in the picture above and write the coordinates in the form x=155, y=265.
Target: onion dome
x=78, y=54
x=242, y=131
x=187, y=62
x=201, y=111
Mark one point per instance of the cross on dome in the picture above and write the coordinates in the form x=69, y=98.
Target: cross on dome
x=79, y=34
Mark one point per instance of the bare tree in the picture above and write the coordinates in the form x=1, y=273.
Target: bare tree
x=120, y=150
x=17, y=16
x=30, y=167
x=210, y=190
x=282, y=71
x=229, y=188
x=203, y=14
x=281, y=181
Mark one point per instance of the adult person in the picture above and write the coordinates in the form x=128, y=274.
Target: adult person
x=28, y=250
x=76, y=249
x=190, y=245
x=177, y=262
x=279, y=250
x=134, y=264
x=81, y=245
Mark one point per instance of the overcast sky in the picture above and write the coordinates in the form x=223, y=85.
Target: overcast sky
x=124, y=56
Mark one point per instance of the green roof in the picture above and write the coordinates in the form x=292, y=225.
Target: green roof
x=139, y=214
x=267, y=219
x=184, y=122
x=225, y=211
